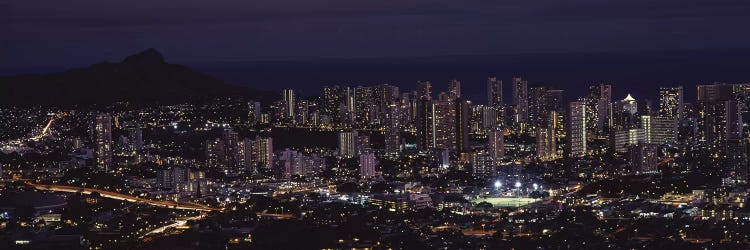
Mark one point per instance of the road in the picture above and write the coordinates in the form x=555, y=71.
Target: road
x=119, y=196
x=177, y=223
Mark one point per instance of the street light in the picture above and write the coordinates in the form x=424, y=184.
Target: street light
x=518, y=184
x=498, y=184
x=536, y=186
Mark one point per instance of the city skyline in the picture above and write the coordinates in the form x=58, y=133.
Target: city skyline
x=339, y=124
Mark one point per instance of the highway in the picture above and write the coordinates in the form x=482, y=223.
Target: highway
x=177, y=223
x=119, y=196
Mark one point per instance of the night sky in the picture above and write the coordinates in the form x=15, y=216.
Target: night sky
x=67, y=33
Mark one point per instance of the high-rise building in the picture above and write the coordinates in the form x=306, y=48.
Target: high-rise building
x=714, y=92
x=454, y=89
x=294, y=163
x=215, y=153
x=425, y=116
x=303, y=112
x=348, y=144
x=643, y=158
x=555, y=101
x=485, y=118
x=463, y=116
x=289, y=105
x=247, y=155
x=103, y=141
x=546, y=144
x=721, y=121
x=482, y=164
x=348, y=106
x=263, y=151
x=625, y=114
x=366, y=109
x=367, y=164
x=720, y=111
x=383, y=96
x=333, y=100
x=392, y=129
x=445, y=122
x=424, y=90
x=598, y=104
x=496, y=145
x=737, y=162
x=363, y=143
x=520, y=101
x=135, y=139
x=253, y=112
x=494, y=92
x=556, y=112
x=233, y=156
x=671, y=102
x=576, y=135
x=623, y=139
x=538, y=106
x=659, y=130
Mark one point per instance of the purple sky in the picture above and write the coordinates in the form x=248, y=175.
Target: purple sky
x=67, y=33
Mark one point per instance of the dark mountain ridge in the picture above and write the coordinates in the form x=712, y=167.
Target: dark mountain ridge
x=143, y=78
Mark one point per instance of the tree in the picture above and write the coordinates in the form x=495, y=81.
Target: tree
x=484, y=205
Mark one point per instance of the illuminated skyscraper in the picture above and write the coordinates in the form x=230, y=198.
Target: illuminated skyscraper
x=365, y=107
x=348, y=144
x=103, y=141
x=556, y=109
x=454, y=89
x=625, y=114
x=392, y=129
x=383, y=96
x=576, y=135
x=289, y=105
x=671, y=102
x=520, y=101
x=215, y=153
x=263, y=151
x=425, y=116
x=546, y=143
x=622, y=139
x=303, y=112
x=333, y=100
x=445, y=122
x=598, y=108
x=538, y=106
x=424, y=90
x=494, y=92
x=720, y=128
x=233, y=156
x=485, y=118
x=253, y=112
x=348, y=105
x=367, y=162
x=482, y=164
x=496, y=145
x=659, y=130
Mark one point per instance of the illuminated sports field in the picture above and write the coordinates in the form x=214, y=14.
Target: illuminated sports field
x=508, y=201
